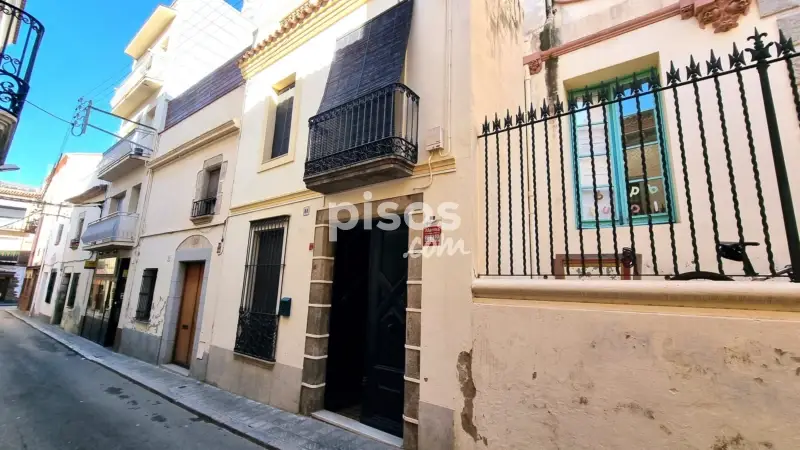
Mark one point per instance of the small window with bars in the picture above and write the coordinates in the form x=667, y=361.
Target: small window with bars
x=73, y=289
x=257, y=331
x=146, y=294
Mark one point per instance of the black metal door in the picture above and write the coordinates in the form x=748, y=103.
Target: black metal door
x=386, y=331
x=116, y=302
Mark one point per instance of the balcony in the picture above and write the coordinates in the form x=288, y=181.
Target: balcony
x=113, y=232
x=145, y=79
x=126, y=155
x=203, y=210
x=18, y=227
x=9, y=257
x=368, y=140
x=21, y=36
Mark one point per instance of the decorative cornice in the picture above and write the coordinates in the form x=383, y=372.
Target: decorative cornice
x=438, y=166
x=723, y=15
x=299, y=26
x=274, y=202
x=189, y=147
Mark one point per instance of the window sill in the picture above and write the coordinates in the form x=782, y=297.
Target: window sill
x=253, y=360
x=277, y=162
x=202, y=219
x=142, y=321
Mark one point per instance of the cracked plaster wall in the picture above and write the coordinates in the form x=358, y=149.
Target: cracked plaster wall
x=551, y=376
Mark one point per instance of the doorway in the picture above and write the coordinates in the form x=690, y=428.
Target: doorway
x=366, y=353
x=116, y=301
x=187, y=317
x=61, y=298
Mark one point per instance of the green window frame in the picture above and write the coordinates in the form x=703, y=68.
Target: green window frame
x=629, y=204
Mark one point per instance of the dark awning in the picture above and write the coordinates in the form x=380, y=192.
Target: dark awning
x=370, y=57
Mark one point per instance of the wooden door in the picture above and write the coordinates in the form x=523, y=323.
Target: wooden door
x=382, y=406
x=187, y=317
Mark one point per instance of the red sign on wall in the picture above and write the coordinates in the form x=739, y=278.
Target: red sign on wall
x=432, y=236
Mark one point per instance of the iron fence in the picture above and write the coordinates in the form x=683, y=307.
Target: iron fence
x=641, y=176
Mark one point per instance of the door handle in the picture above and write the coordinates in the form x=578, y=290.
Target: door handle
x=184, y=327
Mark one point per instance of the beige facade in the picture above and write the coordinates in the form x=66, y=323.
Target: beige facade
x=173, y=234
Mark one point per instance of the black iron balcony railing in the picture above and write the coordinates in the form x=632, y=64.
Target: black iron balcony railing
x=382, y=123
x=21, y=36
x=204, y=207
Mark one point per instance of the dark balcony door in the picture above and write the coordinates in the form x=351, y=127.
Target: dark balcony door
x=366, y=360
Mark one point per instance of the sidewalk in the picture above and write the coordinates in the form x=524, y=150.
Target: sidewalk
x=263, y=424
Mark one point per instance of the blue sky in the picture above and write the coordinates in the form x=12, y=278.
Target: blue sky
x=82, y=52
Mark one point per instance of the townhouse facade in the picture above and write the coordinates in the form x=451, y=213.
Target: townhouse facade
x=71, y=175
x=179, y=256
x=19, y=217
x=170, y=54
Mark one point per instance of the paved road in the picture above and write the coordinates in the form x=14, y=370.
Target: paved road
x=52, y=398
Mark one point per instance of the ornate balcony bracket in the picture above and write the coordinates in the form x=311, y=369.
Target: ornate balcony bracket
x=721, y=15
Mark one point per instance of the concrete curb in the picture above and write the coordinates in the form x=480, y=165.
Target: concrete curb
x=220, y=421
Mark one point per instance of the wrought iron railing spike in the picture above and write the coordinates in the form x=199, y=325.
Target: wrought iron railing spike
x=784, y=46
x=693, y=70
x=759, y=52
x=587, y=97
x=520, y=116
x=673, y=75
x=545, y=109
x=714, y=64
x=736, y=58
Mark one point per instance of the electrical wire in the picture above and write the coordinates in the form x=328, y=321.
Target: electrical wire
x=55, y=116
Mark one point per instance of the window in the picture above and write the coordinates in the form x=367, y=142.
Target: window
x=78, y=231
x=59, y=233
x=212, y=185
x=258, y=320
x=73, y=290
x=618, y=191
x=282, y=132
x=146, y=294
x=115, y=203
x=50, y=285
x=133, y=203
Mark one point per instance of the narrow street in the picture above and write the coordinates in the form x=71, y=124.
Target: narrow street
x=52, y=398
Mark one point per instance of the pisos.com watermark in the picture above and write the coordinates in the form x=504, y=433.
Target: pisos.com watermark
x=387, y=215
